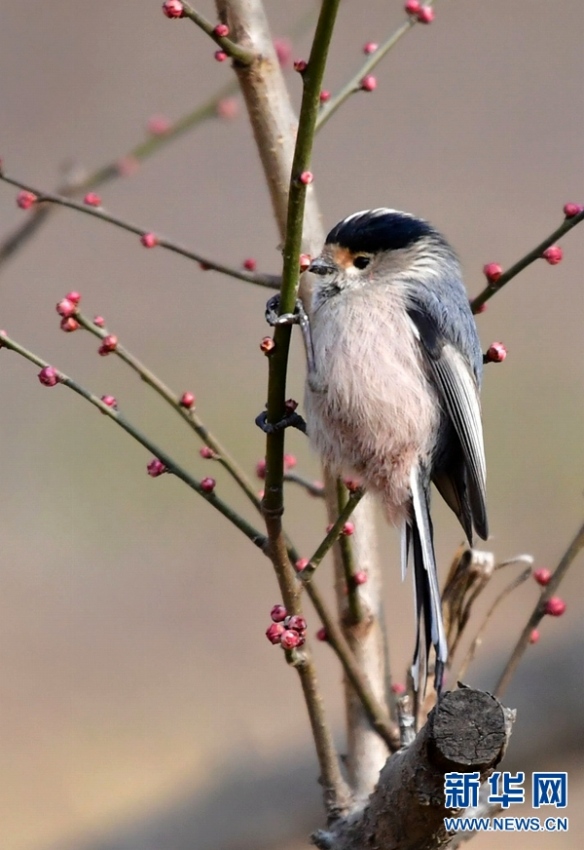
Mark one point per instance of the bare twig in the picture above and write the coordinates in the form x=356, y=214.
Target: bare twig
x=171, y=466
x=540, y=610
x=235, y=51
x=269, y=281
x=494, y=286
x=333, y=535
x=314, y=488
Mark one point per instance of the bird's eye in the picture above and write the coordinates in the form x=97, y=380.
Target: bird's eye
x=361, y=262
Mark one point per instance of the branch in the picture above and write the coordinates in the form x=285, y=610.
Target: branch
x=41, y=197
x=539, y=611
x=170, y=465
x=406, y=810
x=235, y=51
x=495, y=285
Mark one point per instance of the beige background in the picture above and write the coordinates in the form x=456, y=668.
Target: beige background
x=140, y=705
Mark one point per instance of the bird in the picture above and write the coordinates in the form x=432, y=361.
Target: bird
x=392, y=389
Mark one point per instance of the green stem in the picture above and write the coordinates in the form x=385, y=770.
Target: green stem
x=306, y=574
x=235, y=51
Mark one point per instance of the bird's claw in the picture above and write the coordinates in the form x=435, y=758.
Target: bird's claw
x=290, y=420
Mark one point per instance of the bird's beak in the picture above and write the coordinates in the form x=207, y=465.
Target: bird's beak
x=321, y=266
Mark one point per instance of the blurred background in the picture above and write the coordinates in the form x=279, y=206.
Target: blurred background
x=141, y=707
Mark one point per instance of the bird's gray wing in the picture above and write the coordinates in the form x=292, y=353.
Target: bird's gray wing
x=457, y=384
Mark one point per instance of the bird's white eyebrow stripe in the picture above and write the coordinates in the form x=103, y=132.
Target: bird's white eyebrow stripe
x=378, y=211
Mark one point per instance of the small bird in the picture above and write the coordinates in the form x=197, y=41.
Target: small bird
x=392, y=390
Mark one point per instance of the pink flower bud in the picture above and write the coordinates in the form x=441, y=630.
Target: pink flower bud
x=553, y=255
x=208, y=485
x=555, y=606
x=289, y=639
x=65, y=307
x=250, y=264
x=48, y=376
x=110, y=401
x=412, y=7
x=74, y=296
x=25, y=199
x=155, y=468
x=261, y=469
x=324, y=96
x=542, y=576
x=571, y=210
x=92, y=199
x=322, y=635
x=274, y=632
x=69, y=325
x=369, y=83
x=290, y=404
x=149, y=240
x=221, y=30
x=492, y=271
x=360, y=577
x=108, y=344
x=207, y=453
x=306, y=178
x=297, y=623
x=348, y=529
x=187, y=400
x=301, y=564
x=220, y=56
x=267, y=345
x=158, y=125
x=300, y=65
x=283, y=49
x=228, y=107
x=496, y=352
x=99, y=321
x=534, y=636
x=426, y=15
x=398, y=689
x=173, y=8
x=289, y=462
x=127, y=165
x=278, y=613
x=204, y=266
x=351, y=484
x=304, y=261
x=370, y=47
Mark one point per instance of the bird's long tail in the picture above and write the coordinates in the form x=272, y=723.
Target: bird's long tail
x=418, y=536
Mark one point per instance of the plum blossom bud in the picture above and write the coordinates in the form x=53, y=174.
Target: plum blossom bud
x=300, y=65
x=289, y=462
x=207, y=453
x=173, y=8
x=92, y=199
x=492, y=271
x=297, y=623
x=289, y=639
x=306, y=178
x=221, y=30
x=369, y=83
x=208, y=485
x=149, y=240
x=274, y=632
x=360, y=577
x=250, y=264
x=48, y=376
x=324, y=96
x=412, y=7
x=348, y=529
x=158, y=125
x=496, y=353
x=370, y=47
x=283, y=49
x=25, y=199
x=69, y=325
x=398, y=689
x=553, y=255
x=321, y=634
x=228, y=107
x=571, y=210
x=65, y=307
x=426, y=14
x=187, y=400
x=74, y=296
x=304, y=261
x=301, y=564
x=555, y=606
x=261, y=469
x=542, y=576
x=534, y=636
x=99, y=321
x=220, y=56
x=278, y=613
x=108, y=344
x=155, y=468
x=267, y=345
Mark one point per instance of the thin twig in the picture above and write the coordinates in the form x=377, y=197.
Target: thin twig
x=353, y=86
x=235, y=51
x=314, y=488
x=469, y=657
x=171, y=466
x=269, y=281
x=354, y=602
x=539, y=611
x=494, y=286
x=306, y=574
x=188, y=414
